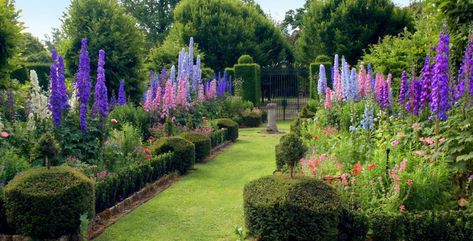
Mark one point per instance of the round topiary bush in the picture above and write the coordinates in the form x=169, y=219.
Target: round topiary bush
x=245, y=59
x=289, y=151
x=281, y=208
x=232, y=127
x=202, y=144
x=46, y=203
x=183, y=150
x=251, y=119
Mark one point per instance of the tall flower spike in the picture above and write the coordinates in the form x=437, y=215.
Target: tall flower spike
x=426, y=80
x=83, y=84
x=61, y=83
x=121, y=93
x=440, y=90
x=328, y=99
x=55, y=100
x=363, y=84
x=101, y=98
x=403, y=88
x=322, y=83
x=465, y=75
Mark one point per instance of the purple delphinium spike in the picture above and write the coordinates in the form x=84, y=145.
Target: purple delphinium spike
x=55, y=99
x=426, y=80
x=101, y=99
x=352, y=89
x=83, y=84
x=113, y=101
x=372, y=77
x=412, y=104
x=61, y=83
x=121, y=93
x=465, y=75
x=440, y=91
x=403, y=88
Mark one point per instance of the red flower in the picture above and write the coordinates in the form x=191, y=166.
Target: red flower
x=339, y=165
x=316, y=137
x=402, y=208
x=4, y=134
x=148, y=156
x=410, y=182
x=151, y=139
x=146, y=150
x=357, y=169
x=371, y=167
x=114, y=121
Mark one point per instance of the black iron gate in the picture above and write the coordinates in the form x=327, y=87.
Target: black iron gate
x=288, y=87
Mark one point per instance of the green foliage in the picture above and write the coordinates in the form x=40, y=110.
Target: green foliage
x=428, y=225
x=353, y=225
x=347, y=27
x=48, y=203
x=251, y=85
x=10, y=39
x=202, y=144
x=122, y=147
x=132, y=178
x=106, y=26
x=245, y=59
x=251, y=118
x=184, y=151
x=33, y=51
x=11, y=164
x=4, y=227
x=214, y=25
x=42, y=70
x=47, y=148
x=153, y=17
x=289, y=151
x=233, y=108
x=132, y=115
x=232, y=127
x=218, y=137
x=279, y=208
x=231, y=72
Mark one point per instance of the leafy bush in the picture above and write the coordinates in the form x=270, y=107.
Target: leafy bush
x=245, y=59
x=202, y=144
x=48, y=203
x=251, y=118
x=183, y=150
x=4, y=227
x=12, y=164
x=231, y=126
x=130, y=179
x=353, y=225
x=289, y=151
x=123, y=145
x=129, y=114
x=279, y=208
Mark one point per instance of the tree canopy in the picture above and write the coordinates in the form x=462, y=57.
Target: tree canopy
x=10, y=39
x=347, y=27
x=224, y=30
x=106, y=26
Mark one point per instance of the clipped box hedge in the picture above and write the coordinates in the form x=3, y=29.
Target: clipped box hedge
x=280, y=208
x=47, y=203
x=251, y=119
x=202, y=144
x=251, y=86
x=231, y=126
x=218, y=137
x=184, y=151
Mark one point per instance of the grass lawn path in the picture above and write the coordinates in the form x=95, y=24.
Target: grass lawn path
x=207, y=203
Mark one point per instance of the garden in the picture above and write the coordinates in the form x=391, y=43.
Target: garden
x=149, y=120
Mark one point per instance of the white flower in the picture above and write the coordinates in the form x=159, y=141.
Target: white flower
x=74, y=100
x=39, y=100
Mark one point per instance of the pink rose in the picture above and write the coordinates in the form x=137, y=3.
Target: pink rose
x=4, y=134
x=114, y=121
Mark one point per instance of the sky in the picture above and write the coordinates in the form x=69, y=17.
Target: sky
x=40, y=16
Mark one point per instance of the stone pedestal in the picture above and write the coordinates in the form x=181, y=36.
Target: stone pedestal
x=272, y=118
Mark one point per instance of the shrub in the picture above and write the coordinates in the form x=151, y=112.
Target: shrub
x=251, y=85
x=4, y=227
x=245, y=59
x=135, y=116
x=130, y=179
x=353, y=225
x=201, y=142
x=218, y=137
x=47, y=148
x=231, y=126
x=279, y=208
x=289, y=151
x=12, y=164
x=251, y=118
x=183, y=150
x=48, y=203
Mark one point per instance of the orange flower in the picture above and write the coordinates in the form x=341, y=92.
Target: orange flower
x=357, y=169
x=371, y=167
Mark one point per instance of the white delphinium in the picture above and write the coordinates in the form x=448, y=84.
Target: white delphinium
x=31, y=123
x=39, y=100
x=74, y=100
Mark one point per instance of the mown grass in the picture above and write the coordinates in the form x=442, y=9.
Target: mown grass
x=206, y=203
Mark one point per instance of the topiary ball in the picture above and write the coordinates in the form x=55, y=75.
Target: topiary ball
x=46, y=203
x=232, y=127
x=245, y=59
x=202, y=144
x=183, y=150
x=251, y=119
x=289, y=151
x=280, y=208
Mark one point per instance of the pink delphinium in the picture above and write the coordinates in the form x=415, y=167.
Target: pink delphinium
x=157, y=99
x=181, y=98
x=149, y=101
x=363, y=84
x=168, y=100
x=338, y=88
x=201, y=94
x=328, y=99
x=212, y=92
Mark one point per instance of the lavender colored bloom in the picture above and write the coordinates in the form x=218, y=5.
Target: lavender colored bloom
x=83, y=84
x=413, y=104
x=121, y=93
x=173, y=74
x=440, y=90
x=426, y=80
x=403, y=88
x=352, y=88
x=113, y=101
x=384, y=101
x=55, y=100
x=368, y=117
x=465, y=75
x=101, y=99
x=372, y=77
x=322, y=83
